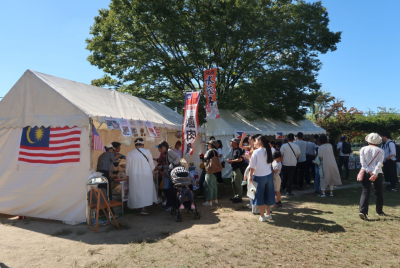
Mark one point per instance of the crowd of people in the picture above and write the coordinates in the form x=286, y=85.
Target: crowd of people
x=267, y=168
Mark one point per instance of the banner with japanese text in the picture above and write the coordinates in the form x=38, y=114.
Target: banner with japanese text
x=211, y=97
x=191, y=122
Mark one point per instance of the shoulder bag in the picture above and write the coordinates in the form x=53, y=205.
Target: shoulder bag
x=213, y=165
x=143, y=155
x=361, y=174
x=297, y=160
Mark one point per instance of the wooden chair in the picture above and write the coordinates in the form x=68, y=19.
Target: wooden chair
x=101, y=204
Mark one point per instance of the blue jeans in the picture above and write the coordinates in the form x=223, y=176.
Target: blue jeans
x=265, y=193
x=317, y=180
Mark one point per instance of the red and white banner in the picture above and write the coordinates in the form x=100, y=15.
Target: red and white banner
x=191, y=123
x=211, y=96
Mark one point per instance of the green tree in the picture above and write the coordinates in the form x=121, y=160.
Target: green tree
x=265, y=51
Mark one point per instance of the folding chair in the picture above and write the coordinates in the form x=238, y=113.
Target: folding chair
x=101, y=204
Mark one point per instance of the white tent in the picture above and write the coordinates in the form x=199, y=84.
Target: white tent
x=42, y=100
x=230, y=122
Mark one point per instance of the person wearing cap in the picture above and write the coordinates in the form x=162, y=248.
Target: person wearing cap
x=139, y=168
x=301, y=163
x=104, y=162
x=343, y=158
x=290, y=153
x=371, y=158
x=237, y=176
x=389, y=168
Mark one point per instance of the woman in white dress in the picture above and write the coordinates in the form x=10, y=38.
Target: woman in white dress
x=139, y=168
x=330, y=169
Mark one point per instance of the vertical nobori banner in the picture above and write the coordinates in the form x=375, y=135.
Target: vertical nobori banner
x=191, y=122
x=211, y=95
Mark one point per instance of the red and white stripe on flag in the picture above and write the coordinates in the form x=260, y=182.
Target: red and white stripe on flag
x=97, y=143
x=50, y=146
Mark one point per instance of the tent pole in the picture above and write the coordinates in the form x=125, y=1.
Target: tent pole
x=91, y=142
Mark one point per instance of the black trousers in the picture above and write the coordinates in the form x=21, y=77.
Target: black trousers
x=201, y=181
x=310, y=166
x=344, y=160
x=288, y=173
x=366, y=189
x=390, y=171
x=300, y=172
x=219, y=177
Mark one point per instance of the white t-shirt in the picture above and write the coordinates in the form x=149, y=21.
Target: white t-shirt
x=273, y=150
x=258, y=162
x=339, y=147
x=277, y=166
x=221, y=159
x=289, y=158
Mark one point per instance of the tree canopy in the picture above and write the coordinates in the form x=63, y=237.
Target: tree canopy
x=266, y=51
x=331, y=114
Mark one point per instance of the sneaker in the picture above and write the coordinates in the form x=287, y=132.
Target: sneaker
x=322, y=195
x=289, y=194
x=144, y=212
x=215, y=201
x=237, y=200
x=168, y=209
x=267, y=217
x=262, y=219
x=250, y=206
x=159, y=201
x=207, y=204
x=331, y=194
x=192, y=207
x=181, y=207
x=380, y=214
x=244, y=183
x=363, y=216
x=232, y=198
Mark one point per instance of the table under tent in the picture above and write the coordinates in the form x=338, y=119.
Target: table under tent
x=225, y=127
x=39, y=100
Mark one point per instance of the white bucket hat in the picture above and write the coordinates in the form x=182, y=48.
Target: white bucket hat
x=373, y=138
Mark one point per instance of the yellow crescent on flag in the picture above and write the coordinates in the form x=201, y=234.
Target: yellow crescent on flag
x=27, y=135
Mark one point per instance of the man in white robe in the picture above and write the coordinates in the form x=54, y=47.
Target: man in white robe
x=139, y=168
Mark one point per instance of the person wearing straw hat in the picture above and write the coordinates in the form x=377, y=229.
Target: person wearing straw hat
x=371, y=158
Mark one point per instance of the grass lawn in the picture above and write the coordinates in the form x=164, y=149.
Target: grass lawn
x=307, y=232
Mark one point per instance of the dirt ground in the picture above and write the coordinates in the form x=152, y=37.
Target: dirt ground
x=306, y=232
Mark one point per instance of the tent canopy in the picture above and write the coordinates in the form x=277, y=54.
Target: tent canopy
x=230, y=122
x=39, y=99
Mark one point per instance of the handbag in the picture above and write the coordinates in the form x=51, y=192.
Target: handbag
x=361, y=173
x=201, y=166
x=213, y=165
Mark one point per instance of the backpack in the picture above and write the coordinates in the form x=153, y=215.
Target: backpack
x=346, y=148
x=397, y=151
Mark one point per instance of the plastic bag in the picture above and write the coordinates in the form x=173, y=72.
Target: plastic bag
x=251, y=189
x=95, y=174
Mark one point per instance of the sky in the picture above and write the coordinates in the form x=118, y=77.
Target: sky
x=48, y=36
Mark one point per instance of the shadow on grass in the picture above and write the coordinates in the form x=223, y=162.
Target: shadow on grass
x=305, y=219
x=134, y=227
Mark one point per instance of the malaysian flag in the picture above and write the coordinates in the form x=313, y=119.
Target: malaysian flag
x=50, y=146
x=97, y=144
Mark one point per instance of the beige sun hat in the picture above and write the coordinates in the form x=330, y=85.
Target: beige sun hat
x=373, y=138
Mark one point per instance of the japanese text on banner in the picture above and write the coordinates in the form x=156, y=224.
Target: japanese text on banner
x=211, y=96
x=191, y=123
